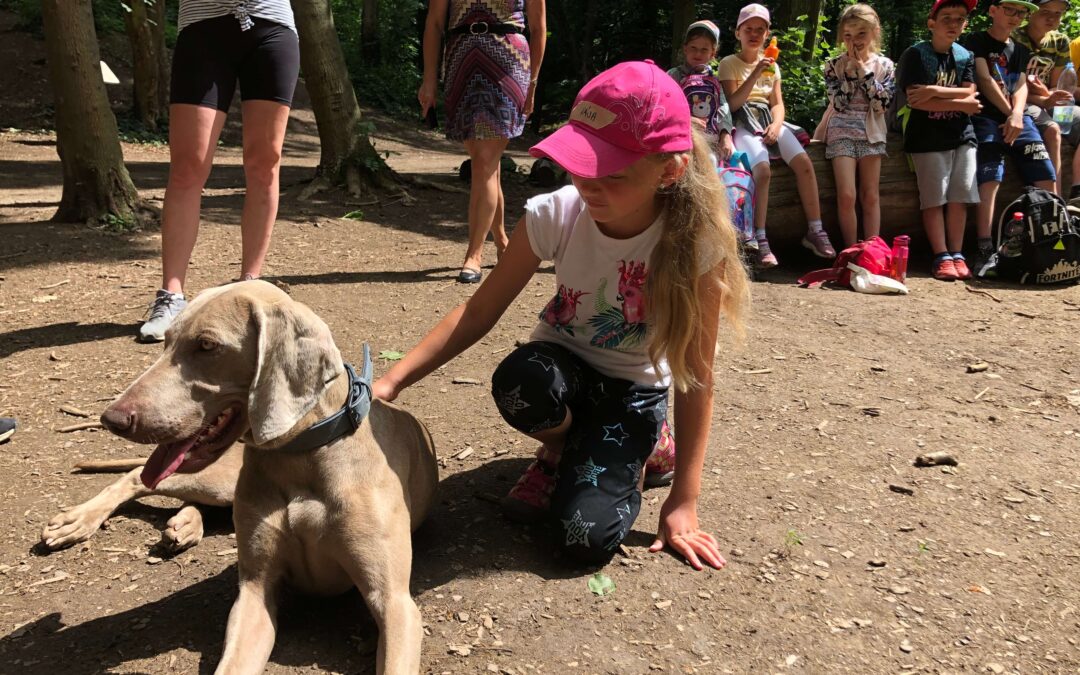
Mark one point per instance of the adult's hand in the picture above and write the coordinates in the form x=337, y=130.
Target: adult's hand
x=530, y=99
x=426, y=95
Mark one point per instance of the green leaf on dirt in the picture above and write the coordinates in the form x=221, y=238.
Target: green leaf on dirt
x=601, y=584
x=391, y=355
x=354, y=215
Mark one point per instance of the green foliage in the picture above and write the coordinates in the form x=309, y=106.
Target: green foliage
x=112, y=222
x=803, y=80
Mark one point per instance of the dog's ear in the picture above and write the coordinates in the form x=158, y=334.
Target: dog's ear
x=297, y=361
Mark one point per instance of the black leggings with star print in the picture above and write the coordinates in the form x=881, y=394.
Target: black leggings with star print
x=615, y=425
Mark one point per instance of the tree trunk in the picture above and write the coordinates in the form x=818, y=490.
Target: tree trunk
x=97, y=186
x=787, y=16
x=145, y=25
x=347, y=155
x=683, y=14
x=369, y=31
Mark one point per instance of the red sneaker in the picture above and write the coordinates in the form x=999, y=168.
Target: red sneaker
x=945, y=270
x=660, y=467
x=962, y=271
x=529, y=501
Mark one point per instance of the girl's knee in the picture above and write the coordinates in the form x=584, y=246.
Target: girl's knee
x=527, y=389
x=845, y=199
x=589, y=535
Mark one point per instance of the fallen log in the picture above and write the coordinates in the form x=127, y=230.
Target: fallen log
x=900, y=213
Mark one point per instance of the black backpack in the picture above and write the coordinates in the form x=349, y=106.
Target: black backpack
x=1042, y=246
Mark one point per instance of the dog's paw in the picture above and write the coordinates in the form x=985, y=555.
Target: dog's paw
x=72, y=526
x=183, y=530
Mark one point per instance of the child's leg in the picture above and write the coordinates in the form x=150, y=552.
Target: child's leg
x=1031, y=156
x=869, y=198
x=532, y=388
x=762, y=177
x=795, y=156
x=984, y=212
x=955, y=222
x=934, y=224
x=597, y=495
x=844, y=175
x=1051, y=135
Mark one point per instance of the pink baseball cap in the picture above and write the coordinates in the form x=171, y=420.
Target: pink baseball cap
x=628, y=111
x=753, y=11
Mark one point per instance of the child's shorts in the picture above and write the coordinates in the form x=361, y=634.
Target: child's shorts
x=852, y=147
x=946, y=177
x=757, y=152
x=1028, y=152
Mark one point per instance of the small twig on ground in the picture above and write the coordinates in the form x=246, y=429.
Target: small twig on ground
x=56, y=285
x=759, y=371
x=1026, y=315
x=81, y=426
x=982, y=292
x=110, y=465
x=980, y=394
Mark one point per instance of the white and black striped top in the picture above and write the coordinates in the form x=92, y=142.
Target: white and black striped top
x=277, y=11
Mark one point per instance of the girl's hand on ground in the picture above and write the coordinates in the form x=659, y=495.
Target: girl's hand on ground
x=382, y=389
x=679, y=530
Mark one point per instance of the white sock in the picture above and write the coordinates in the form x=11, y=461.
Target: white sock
x=815, y=225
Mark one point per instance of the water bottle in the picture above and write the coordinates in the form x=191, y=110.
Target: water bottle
x=1012, y=245
x=1063, y=114
x=900, y=257
x=773, y=52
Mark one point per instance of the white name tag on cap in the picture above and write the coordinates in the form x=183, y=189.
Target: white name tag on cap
x=592, y=115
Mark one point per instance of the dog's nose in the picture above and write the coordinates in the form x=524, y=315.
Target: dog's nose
x=118, y=421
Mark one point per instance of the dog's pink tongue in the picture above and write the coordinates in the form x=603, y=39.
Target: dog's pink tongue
x=165, y=459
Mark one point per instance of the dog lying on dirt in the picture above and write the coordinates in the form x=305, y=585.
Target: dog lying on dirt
x=314, y=508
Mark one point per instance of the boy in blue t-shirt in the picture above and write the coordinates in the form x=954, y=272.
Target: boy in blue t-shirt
x=1003, y=125
x=938, y=79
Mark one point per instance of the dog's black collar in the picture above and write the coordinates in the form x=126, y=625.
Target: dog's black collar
x=343, y=422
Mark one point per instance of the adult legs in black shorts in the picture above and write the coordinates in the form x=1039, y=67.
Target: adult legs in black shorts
x=210, y=57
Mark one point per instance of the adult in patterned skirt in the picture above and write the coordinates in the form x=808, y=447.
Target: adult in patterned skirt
x=490, y=82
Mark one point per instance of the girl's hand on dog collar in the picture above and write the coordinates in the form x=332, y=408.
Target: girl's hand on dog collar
x=679, y=530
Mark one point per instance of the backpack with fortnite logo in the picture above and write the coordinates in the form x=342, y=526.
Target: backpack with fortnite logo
x=739, y=183
x=1036, y=241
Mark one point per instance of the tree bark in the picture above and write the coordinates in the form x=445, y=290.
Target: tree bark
x=683, y=14
x=145, y=25
x=369, y=31
x=787, y=16
x=97, y=186
x=347, y=155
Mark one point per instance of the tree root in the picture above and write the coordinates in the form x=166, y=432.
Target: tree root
x=432, y=185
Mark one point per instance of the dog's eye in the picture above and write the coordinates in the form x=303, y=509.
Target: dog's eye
x=207, y=345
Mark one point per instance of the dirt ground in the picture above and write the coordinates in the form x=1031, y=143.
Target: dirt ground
x=843, y=556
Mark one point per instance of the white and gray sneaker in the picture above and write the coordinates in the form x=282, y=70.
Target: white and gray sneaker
x=165, y=308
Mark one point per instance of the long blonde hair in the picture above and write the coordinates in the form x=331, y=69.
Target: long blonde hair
x=865, y=13
x=697, y=229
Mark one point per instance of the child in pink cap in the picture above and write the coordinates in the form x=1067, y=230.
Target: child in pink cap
x=752, y=84
x=645, y=261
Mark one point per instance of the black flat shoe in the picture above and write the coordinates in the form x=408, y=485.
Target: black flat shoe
x=468, y=276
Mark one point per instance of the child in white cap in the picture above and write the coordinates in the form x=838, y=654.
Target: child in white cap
x=708, y=104
x=752, y=84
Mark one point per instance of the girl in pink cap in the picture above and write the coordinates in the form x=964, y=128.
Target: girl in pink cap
x=645, y=262
x=752, y=84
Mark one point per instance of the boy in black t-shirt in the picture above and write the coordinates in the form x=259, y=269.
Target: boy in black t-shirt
x=1003, y=126
x=938, y=79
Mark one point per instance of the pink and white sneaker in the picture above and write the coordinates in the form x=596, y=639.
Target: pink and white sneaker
x=529, y=501
x=818, y=242
x=660, y=467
